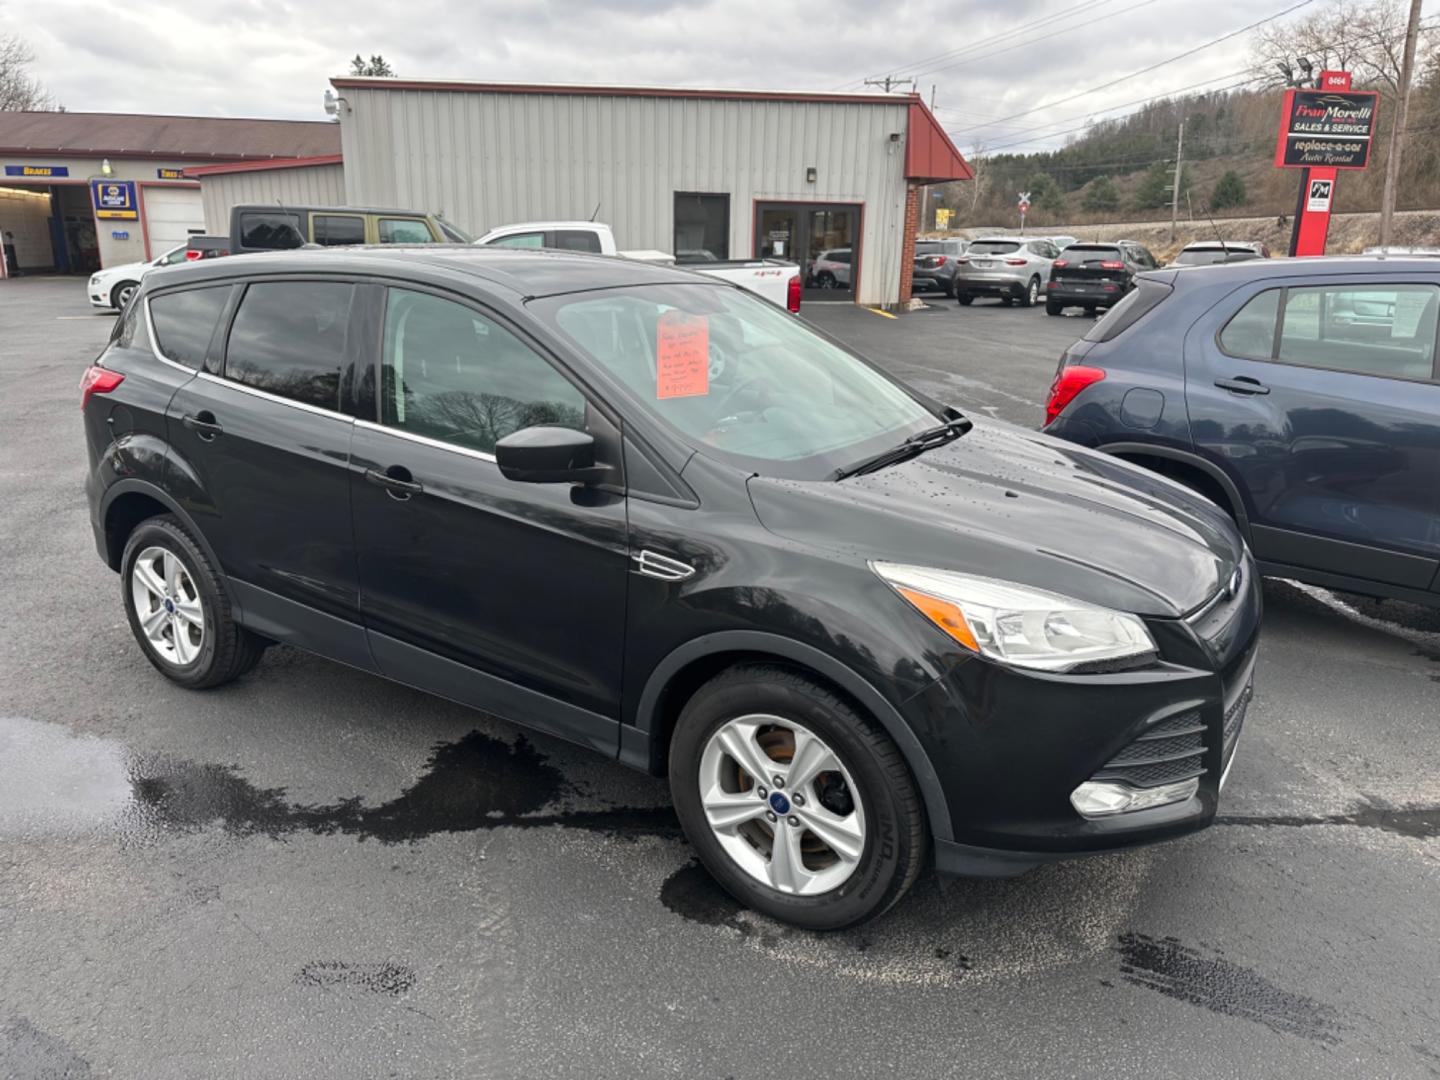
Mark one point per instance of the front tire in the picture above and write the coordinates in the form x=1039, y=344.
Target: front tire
x=178, y=609
x=965, y=299
x=841, y=836
x=120, y=295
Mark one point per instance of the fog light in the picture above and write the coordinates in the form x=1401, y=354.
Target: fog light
x=1098, y=799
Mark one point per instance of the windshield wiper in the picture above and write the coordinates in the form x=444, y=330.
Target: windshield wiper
x=915, y=444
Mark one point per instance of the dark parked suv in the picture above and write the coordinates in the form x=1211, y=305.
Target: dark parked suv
x=645, y=511
x=1095, y=275
x=1302, y=395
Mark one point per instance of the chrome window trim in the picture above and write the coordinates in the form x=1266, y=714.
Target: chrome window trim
x=155, y=343
x=267, y=396
x=438, y=444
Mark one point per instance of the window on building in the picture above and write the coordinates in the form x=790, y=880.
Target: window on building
x=449, y=373
x=330, y=230
x=520, y=240
x=288, y=338
x=702, y=227
x=577, y=240
x=271, y=231
x=184, y=322
x=404, y=231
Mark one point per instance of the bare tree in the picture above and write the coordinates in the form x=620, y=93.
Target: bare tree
x=18, y=91
x=1363, y=37
x=979, y=179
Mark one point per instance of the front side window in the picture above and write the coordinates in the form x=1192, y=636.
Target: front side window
x=404, y=231
x=577, y=240
x=520, y=240
x=288, y=338
x=1384, y=330
x=184, y=322
x=331, y=230
x=449, y=373
x=738, y=375
x=271, y=231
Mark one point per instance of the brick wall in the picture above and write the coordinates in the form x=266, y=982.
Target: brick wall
x=907, y=242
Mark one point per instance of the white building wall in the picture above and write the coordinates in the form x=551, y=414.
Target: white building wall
x=307, y=185
x=485, y=159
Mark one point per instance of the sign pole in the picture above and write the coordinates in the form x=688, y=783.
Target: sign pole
x=1322, y=131
x=1299, y=212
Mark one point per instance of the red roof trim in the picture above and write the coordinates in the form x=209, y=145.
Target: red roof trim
x=384, y=83
x=930, y=156
x=269, y=163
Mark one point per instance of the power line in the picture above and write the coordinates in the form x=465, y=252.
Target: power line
x=1152, y=67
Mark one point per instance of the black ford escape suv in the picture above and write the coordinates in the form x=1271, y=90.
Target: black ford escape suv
x=648, y=512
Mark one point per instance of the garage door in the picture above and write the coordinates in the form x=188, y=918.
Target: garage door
x=170, y=214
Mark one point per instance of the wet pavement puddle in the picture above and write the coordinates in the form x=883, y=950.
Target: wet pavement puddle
x=55, y=782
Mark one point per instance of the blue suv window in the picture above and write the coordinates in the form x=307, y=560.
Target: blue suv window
x=1250, y=333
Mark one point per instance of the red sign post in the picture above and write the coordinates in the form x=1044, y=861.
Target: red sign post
x=1323, y=131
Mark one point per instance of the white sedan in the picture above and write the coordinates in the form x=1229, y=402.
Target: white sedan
x=113, y=286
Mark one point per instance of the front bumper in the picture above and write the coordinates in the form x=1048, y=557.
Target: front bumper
x=99, y=295
x=1019, y=743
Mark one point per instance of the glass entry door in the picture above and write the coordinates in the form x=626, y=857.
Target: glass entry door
x=824, y=240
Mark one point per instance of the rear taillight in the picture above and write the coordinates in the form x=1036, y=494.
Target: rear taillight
x=939, y=260
x=1069, y=382
x=1112, y=265
x=97, y=380
x=792, y=295
x=1059, y=263
x=1014, y=262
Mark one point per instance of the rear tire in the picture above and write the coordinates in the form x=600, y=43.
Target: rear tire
x=1031, y=296
x=765, y=713
x=965, y=299
x=178, y=609
x=1052, y=308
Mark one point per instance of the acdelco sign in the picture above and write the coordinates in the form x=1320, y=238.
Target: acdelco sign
x=1326, y=128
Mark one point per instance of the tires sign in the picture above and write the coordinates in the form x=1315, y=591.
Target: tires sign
x=1329, y=129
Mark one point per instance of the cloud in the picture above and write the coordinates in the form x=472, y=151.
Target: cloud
x=274, y=57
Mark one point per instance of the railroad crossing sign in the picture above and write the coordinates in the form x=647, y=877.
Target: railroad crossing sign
x=1024, y=203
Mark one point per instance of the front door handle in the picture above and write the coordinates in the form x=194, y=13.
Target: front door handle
x=397, y=482
x=203, y=424
x=1243, y=384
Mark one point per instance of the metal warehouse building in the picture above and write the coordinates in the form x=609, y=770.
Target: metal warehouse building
x=730, y=173
x=85, y=190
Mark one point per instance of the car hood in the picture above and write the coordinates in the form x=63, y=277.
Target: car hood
x=115, y=273
x=1019, y=506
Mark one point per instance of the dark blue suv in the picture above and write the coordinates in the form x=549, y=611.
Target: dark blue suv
x=1303, y=395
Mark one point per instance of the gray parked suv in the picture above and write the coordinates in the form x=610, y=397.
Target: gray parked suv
x=1010, y=267
x=935, y=264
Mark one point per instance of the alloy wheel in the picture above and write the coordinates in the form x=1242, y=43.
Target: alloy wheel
x=124, y=295
x=782, y=805
x=167, y=605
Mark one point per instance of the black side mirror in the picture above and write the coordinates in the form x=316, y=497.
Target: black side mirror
x=549, y=455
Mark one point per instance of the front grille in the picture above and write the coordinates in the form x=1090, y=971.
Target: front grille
x=1170, y=751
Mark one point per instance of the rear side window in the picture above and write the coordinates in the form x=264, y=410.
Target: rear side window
x=520, y=240
x=1141, y=301
x=288, y=338
x=577, y=240
x=184, y=322
x=404, y=231
x=1250, y=333
x=271, y=231
x=333, y=229
x=1384, y=330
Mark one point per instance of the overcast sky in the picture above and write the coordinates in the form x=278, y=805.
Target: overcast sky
x=272, y=58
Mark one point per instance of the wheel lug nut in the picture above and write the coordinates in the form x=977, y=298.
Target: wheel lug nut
x=769, y=816
x=761, y=792
x=798, y=799
x=795, y=822
x=779, y=781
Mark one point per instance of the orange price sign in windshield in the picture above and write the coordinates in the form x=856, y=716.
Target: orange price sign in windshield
x=682, y=355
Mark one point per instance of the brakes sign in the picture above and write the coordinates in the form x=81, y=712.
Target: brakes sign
x=1326, y=129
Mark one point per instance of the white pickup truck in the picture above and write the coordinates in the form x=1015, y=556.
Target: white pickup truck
x=774, y=279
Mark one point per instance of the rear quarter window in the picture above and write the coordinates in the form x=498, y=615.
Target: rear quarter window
x=1141, y=301
x=184, y=322
x=270, y=231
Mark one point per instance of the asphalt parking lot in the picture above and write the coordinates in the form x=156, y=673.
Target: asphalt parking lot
x=314, y=873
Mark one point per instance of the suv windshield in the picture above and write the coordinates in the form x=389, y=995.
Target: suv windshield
x=736, y=374
x=453, y=233
x=994, y=247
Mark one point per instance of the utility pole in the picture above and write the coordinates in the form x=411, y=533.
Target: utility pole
x=1397, y=133
x=1175, y=191
x=888, y=81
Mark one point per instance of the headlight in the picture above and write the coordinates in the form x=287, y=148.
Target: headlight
x=1018, y=625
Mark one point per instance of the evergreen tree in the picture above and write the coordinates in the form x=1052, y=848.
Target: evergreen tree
x=1154, y=189
x=1229, y=191
x=1102, y=197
